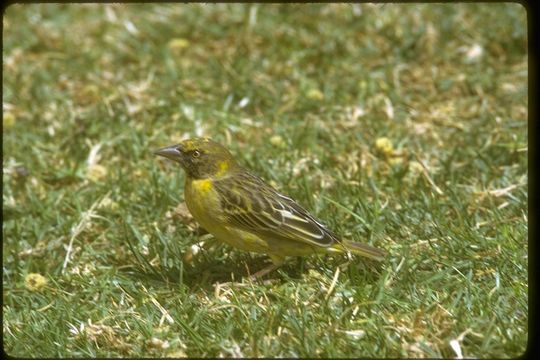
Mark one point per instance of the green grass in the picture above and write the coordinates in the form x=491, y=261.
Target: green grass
x=447, y=84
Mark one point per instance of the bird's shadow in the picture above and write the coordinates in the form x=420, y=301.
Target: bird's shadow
x=207, y=272
x=234, y=267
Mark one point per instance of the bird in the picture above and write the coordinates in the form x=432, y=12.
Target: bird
x=242, y=210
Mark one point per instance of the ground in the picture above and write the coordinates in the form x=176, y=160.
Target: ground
x=399, y=125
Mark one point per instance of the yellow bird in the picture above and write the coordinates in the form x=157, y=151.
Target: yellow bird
x=245, y=212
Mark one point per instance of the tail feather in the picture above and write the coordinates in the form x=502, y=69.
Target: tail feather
x=361, y=249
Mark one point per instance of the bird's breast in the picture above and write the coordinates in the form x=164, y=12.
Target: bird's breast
x=204, y=204
x=202, y=201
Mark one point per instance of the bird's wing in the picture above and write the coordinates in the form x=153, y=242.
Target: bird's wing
x=254, y=206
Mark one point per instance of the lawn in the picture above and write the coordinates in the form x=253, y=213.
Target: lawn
x=403, y=126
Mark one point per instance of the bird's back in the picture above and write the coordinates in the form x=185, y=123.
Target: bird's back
x=252, y=205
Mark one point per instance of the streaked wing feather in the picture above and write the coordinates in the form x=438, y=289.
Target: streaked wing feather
x=256, y=207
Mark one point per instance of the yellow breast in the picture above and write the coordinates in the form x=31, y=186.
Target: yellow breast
x=204, y=204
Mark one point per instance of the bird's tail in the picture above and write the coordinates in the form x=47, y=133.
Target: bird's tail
x=360, y=249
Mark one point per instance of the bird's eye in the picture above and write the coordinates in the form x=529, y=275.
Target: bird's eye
x=196, y=154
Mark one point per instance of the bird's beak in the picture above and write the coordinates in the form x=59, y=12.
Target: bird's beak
x=172, y=152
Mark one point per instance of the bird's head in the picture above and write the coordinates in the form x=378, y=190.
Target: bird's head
x=201, y=158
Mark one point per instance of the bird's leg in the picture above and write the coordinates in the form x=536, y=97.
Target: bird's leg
x=264, y=271
x=276, y=263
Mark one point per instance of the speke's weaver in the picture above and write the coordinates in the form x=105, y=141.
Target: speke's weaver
x=245, y=212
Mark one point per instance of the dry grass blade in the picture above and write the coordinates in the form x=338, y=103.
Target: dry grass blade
x=83, y=223
x=425, y=172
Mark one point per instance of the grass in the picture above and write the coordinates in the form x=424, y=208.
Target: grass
x=301, y=94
